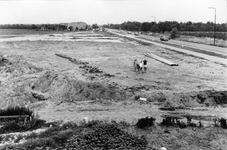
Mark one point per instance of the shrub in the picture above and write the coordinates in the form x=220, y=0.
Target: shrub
x=10, y=126
x=13, y=126
x=39, y=123
x=223, y=123
x=145, y=122
x=33, y=135
x=192, y=124
x=106, y=136
x=50, y=132
x=124, y=123
x=167, y=121
x=62, y=137
x=174, y=33
x=182, y=125
x=70, y=125
x=19, y=137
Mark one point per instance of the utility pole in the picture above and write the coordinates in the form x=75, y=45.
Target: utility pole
x=214, y=22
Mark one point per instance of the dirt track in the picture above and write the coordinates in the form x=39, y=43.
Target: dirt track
x=54, y=86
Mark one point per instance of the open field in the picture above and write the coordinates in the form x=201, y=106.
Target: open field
x=204, y=40
x=74, y=75
x=25, y=32
x=195, y=38
x=218, y=35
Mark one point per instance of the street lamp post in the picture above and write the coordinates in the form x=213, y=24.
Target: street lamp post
x=214, y=22
x=154, y=18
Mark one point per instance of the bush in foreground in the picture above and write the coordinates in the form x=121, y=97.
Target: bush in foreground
x=145, y=122
x=92, y=135
x=106, y=136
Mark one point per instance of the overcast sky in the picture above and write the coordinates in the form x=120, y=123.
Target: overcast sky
x=110, y=11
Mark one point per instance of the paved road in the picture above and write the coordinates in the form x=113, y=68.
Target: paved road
x=214, y=49
x=201, y=55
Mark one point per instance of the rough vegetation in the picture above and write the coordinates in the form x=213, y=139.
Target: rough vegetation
x=106, y=136
x=145, y=122
x=203, y=98
x=101, y=135
x=18, y=118
x=16, y=110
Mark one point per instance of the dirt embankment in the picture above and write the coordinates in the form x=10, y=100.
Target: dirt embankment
x=58, y=87
x=22, y=83
x=16, y=75
x=197, y=99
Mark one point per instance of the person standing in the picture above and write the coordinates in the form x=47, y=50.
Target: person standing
x=141, y=67
x=135, y=62
x=145, y=65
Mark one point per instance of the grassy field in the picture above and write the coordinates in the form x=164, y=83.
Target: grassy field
x=218, y=35
x=25, y=32
x=201, y=37
x=204, y=40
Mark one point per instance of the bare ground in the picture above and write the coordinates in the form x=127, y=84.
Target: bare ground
x=95, y=79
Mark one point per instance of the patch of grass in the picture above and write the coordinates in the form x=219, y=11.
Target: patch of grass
x=42, y=143
x=13, y=126
x=19, y=137
x=33, y=135
x=10, y=126
x=71, y=125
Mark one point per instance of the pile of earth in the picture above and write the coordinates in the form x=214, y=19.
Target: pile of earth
x=15, y=66
x=197, y=99
x=16, y=76
x=58, y=87
x=22, y=83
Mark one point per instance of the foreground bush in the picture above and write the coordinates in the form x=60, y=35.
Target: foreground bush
x=145, y=122
x=13, y=126
x=106, y=136
x=87, y=136
x=223, y=123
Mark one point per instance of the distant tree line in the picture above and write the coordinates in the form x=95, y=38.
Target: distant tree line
x=167, y=26
x=54, y=27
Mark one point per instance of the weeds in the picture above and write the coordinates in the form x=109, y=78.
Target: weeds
x=102, y=135
x=31, y=144
x=19, y=137
x=219, y=35
x=17, y=110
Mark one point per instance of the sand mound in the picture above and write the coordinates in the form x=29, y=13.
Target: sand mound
x=16, y=66
x=16, y=76
x=61, y=88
